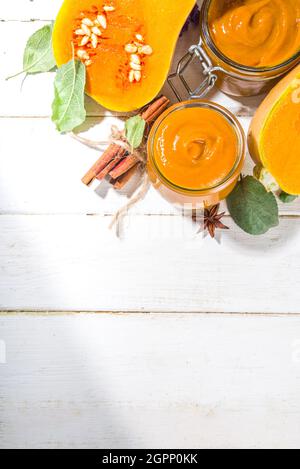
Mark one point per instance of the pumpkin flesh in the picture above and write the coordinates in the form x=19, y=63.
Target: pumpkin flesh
x=159, y=22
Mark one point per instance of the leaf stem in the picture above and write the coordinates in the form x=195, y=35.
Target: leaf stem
x=15, y=75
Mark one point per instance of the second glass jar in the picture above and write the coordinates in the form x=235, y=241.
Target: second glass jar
x=233, y=78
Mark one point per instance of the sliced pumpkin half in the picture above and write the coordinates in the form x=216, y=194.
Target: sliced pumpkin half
x=274, y=135
x=127, y=46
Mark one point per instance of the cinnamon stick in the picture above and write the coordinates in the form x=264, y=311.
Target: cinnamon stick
x=155, y=109
x=111, y=161
x=124, y=166
x=119, y=156
x=101, y=163
x=121, y=182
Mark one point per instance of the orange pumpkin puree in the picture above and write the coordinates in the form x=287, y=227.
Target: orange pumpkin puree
x=195, y=148
x=256, y=33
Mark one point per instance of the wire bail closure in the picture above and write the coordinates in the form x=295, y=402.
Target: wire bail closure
x=195, y=52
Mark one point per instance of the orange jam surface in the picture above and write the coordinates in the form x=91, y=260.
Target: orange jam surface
x=195, y=148
x=256, y=33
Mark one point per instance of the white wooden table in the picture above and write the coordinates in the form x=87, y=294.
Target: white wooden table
x=209, y=356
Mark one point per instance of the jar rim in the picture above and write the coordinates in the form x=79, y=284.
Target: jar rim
x=230, y=118
x=245, y=68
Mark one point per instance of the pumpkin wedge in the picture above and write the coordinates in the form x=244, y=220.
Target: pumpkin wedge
x=274, y=135
x=127, y=46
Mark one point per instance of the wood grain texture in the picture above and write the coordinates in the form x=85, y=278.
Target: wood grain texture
x=144, y=381
x=76, y=263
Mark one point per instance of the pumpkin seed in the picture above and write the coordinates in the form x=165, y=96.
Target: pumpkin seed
x=86, y=29
x=84, y=41
x=139, y=37
x=94, y=41
x=146, y=50
x=101, y=19
x=96, y=30
x=131, y=48
x=131, y=76
x=82, y=54
x=135, y=59
x=137, y=75
x=134, y=66
x=87, y=22
x=108, y=8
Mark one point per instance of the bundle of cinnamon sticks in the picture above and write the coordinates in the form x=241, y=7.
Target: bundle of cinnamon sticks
x=117, y=163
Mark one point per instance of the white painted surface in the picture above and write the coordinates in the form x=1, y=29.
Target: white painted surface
x=30, y=10
x=127, y=381
x=123, y=380
x=75, y=263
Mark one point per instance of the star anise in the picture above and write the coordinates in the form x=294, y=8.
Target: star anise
x=212, y=220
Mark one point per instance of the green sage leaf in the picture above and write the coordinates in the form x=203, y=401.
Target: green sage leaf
x=253, y=208
x=68, y=109
x=38, y=55
x=287, y=198
x=135, y=129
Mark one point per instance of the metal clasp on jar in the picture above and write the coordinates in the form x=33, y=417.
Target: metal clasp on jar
x=195, y=52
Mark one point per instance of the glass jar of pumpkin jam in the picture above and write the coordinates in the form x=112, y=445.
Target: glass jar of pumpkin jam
x=252, y=42
x=196, y=150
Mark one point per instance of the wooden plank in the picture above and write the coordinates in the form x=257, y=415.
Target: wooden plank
x=29, y=10
x=41, y=171
x=34, y=98
x=160, y=264
x=144, y=381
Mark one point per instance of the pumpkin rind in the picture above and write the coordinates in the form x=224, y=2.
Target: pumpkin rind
x=159, y=21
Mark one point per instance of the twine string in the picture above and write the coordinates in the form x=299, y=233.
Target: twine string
x=116, y=137
x=134, y=199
